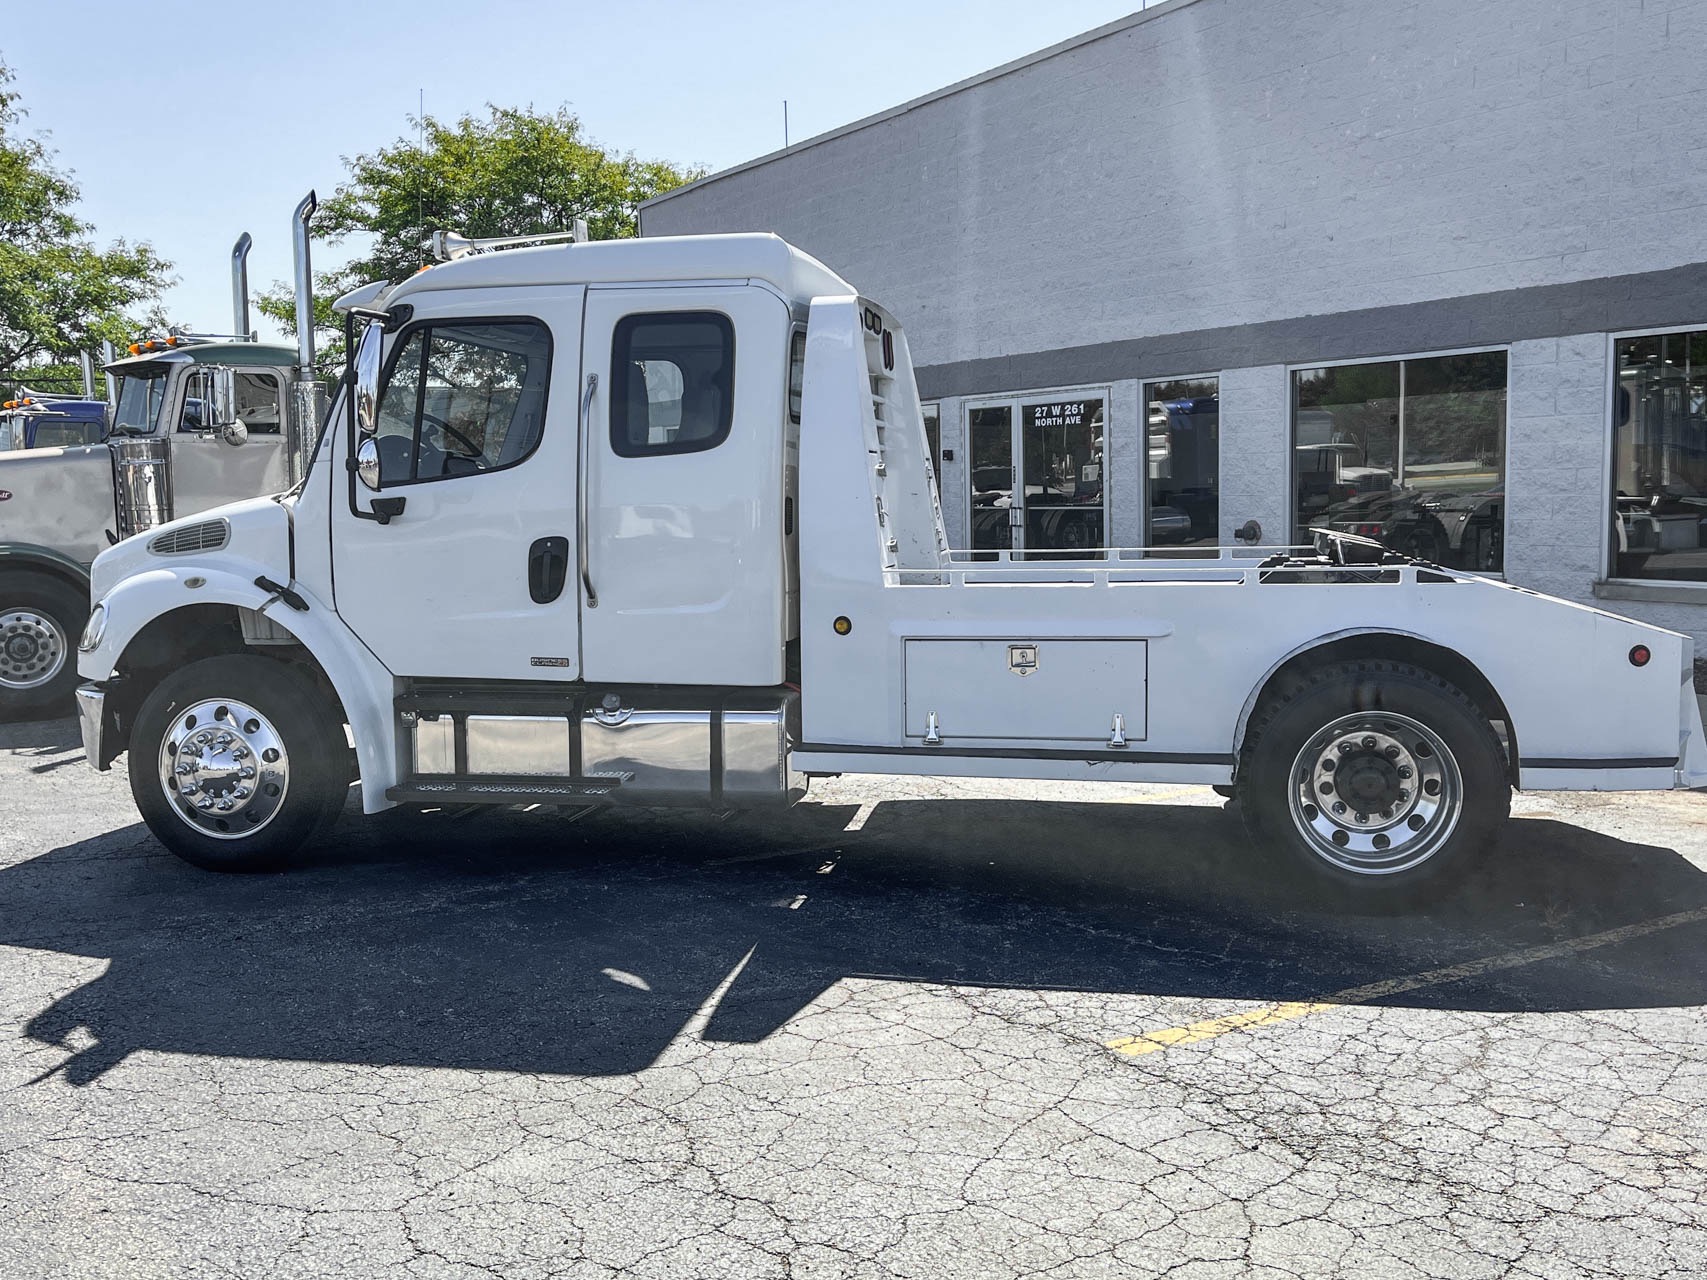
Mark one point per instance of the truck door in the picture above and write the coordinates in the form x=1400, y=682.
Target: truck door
x=685, y=392
x=208, y=472
x=476, y=433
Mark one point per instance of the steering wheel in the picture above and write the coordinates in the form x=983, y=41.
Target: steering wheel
x=475, y=454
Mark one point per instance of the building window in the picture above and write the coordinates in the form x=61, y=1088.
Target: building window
x=933, y=442
x=1183, y=465
x=672, y=382
x=1410, y=453
x=1659, y=458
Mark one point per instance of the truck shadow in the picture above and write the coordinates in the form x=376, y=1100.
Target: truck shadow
x=521, y=942
x=39, y=737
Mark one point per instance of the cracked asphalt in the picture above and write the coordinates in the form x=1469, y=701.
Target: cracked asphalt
x=868, y=1038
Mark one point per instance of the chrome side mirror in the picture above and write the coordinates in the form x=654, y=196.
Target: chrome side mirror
x=367, y=463
x=221, y=405
x=234, y=433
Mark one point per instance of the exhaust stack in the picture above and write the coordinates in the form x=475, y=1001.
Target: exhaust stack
x=308, y=397
x=88, y=377
x=240, y=285
x=304, y=285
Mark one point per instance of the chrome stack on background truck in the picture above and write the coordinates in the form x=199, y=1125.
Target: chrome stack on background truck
x=195, y=422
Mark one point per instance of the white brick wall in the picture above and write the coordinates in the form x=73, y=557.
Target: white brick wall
x=1256, y=453
x=1231, y=161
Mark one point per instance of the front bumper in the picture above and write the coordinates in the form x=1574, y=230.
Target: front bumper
x=92, y=721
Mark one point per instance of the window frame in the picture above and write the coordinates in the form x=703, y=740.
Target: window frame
x=627, y=321
x=1674, y=590
x=1293, y=368
x=400, y=343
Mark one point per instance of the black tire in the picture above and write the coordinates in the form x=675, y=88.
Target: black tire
x=265, y=706
x=41, y=618
x=1402, y=855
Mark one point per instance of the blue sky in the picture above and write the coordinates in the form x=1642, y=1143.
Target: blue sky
x=185, y=124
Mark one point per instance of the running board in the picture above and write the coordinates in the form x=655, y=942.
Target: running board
x=518, y=790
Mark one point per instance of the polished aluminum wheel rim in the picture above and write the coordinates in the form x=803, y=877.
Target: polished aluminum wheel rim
x=1375, y=793
x=33, y=649
x=224, y=768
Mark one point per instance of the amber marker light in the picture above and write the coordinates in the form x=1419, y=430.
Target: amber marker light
x=842, y=625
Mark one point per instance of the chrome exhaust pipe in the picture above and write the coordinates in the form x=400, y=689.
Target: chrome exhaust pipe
x=304, y=285
x=308, y=397
x=240, y=285
x=88, y=377
x=108, y=355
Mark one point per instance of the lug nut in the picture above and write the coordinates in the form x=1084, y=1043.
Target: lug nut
x=240, y=793
x=247, y=771
x=1392, y=753
x=1404, y=771
x=225, y=804
x=188, y=789
x=1363, y=817
x=240, y=753
x=1369, y=744
x=1404, y=795
x=206, y=802
x=1339, y=806
x=1346, y=748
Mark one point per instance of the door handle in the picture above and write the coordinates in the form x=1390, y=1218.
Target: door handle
x=583, y=428
x=548, y=568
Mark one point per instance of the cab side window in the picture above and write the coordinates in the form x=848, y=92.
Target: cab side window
x=463, y=397
x=672, y=383
x=259, y=404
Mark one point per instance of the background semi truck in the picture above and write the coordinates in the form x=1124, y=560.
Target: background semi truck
x=653, y=522
x=196, y=422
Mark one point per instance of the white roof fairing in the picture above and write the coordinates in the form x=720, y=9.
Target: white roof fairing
x=756, y=256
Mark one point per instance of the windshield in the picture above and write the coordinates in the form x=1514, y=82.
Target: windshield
x=140, y=394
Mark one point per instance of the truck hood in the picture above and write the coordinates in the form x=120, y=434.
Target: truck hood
x=57, y=498
x=251, y=537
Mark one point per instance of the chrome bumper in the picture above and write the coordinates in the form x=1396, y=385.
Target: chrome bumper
x=91, y=719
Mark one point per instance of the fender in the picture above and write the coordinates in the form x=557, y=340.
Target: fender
x=362, y=683
x=27, y=555
x=1318, y=642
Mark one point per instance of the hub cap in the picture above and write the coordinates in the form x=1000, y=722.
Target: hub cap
x=1376, y=793
x=32, y=648
x=224, y=769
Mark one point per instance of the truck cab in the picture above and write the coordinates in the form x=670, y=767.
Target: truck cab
x=653, y=522
x=197, y=421
x=55, y=422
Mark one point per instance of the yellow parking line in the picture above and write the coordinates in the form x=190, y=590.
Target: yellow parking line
x=1291, y=1010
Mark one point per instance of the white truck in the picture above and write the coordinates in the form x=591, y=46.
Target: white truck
x=651, y=522
x=196, y=423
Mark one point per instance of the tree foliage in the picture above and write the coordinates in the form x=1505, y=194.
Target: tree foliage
x=513, y=172
x=59, y=293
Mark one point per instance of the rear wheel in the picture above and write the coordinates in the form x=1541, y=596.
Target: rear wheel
x=40, y=620
x=1378, y=779
x=237, y=763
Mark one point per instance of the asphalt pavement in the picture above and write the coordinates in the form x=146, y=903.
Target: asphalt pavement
x=911, y=1028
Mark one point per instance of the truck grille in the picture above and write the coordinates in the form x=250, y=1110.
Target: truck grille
x=209, y=535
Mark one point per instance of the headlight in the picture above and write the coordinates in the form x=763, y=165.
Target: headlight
x=96, y=631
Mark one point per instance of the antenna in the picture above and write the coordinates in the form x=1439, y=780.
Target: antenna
x=785, y=124
x=420, y=152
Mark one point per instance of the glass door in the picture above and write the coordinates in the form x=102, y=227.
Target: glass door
x=1055, y=447
x=1059, y=449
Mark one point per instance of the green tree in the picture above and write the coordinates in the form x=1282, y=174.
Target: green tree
x=510, y=173
x=59, y=293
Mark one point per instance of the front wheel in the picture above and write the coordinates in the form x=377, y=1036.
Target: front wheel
x=40, y=620
x=1377, y=779
x=237, y=763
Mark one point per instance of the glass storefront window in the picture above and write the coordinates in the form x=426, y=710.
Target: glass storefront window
x=1410, y=453
x=1183, y=466
x=933, y=442
x=1659, y=458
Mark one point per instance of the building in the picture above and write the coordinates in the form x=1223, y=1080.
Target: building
x=1435, y=273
